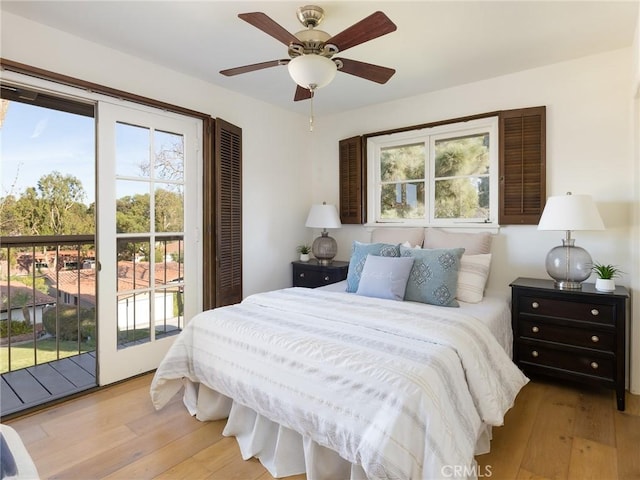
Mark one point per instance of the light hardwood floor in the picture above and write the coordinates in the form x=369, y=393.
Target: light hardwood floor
x=554, y=431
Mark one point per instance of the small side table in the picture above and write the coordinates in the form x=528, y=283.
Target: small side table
x=311, y=274
x=571, y=334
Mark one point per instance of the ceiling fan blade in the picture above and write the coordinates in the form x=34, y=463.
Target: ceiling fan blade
x=270, y=27
x=374, y=26
x=368, y=71
x=301, y=94
x=250, y=68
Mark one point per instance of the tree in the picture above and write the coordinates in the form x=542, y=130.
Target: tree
x=54, y=207
x=169, y=211
x=61, y=195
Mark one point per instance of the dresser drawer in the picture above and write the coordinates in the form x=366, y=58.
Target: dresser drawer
x=585, y=311
x=312, y=275
x=581, y=337
x=310, y=278
x=585, y=363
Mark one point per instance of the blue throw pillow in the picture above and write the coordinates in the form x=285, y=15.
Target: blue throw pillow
x=434, y=275
x=385, y=277
x=359, y=252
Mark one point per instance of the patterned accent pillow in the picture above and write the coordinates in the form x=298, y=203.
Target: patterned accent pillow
x=359, y=252
x=385, y=277
x=472, y=277
x=434, y=276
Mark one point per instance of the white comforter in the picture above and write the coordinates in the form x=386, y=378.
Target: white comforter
x=402, y=389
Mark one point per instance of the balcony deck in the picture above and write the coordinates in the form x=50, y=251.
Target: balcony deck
x=31, y=387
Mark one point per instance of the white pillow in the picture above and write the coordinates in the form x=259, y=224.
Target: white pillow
x=473, y=243
x=472, y=277
x=385, y=277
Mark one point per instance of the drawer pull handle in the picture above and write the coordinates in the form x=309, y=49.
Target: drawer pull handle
x=302, y=275
x=535, y=329
x=595, y=312
x=326, y=279
x=535, y=305
x=594, y=365
x=534, y=354
x=595, y=339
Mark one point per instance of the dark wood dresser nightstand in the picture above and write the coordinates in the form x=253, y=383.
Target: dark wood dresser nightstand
x=570, y=334
x=312, y=274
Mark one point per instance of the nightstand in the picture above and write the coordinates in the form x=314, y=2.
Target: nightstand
x=570, y=334
x=312, y=274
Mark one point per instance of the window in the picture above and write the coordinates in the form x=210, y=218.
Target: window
x=442, y=175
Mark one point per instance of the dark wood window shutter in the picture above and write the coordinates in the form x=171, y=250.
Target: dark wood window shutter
x=522, y=194
x=227, y=154
x=353, y=206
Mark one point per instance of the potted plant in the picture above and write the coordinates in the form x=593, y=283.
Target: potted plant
x=304, y=250
x=606, y=275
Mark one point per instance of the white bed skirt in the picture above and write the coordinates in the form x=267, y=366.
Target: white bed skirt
x=282, y=451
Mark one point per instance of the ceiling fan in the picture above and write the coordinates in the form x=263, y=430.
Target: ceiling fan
x=312, y=64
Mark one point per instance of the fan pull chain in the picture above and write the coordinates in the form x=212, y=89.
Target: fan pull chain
x=312, y=90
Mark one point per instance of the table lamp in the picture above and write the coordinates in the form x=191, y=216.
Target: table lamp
x=324, y=216
x=568, y=264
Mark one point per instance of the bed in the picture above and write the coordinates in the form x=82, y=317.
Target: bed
x=340, y=385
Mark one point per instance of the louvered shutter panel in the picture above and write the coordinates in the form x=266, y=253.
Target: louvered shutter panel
x=352, y=178
x=522, y=166
x=228, y=218
x=208, y=221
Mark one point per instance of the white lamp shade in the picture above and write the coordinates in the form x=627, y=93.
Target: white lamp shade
x=312, y=71
x=323, y=216
x=570, y=212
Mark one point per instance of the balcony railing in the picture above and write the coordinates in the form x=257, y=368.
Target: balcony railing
x=48, y=299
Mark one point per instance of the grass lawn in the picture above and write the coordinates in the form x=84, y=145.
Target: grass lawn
x=22, y=354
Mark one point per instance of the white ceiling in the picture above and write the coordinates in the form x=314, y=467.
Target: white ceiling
x=437, y=44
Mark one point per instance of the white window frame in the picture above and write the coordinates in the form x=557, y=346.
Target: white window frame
x=429, y=136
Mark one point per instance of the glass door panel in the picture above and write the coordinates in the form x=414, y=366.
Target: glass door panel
x=154, y=271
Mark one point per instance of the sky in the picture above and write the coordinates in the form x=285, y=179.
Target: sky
x=35, y=141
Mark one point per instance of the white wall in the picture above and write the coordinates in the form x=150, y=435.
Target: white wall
x=589, y=150
x=634, y=329
x=275, y=158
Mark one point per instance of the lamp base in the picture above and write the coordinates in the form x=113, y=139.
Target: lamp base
x=568, y=265
x=566, y=285
x=324, y=248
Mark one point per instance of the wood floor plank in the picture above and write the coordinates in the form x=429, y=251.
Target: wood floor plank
x=628, y=444
x=120, y=456
x=69, y=453
x=595, y=421
x=524, y=475
x=116, y=409
x=207, y=461
x=164, y=458
x=509, y=441
x=186, y=469
x=592, y=461
x=549, y=448
x=250, y=469
x=219, y=454
x=632, y=404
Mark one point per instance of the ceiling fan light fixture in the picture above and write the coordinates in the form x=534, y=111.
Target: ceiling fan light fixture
x=312, y=71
